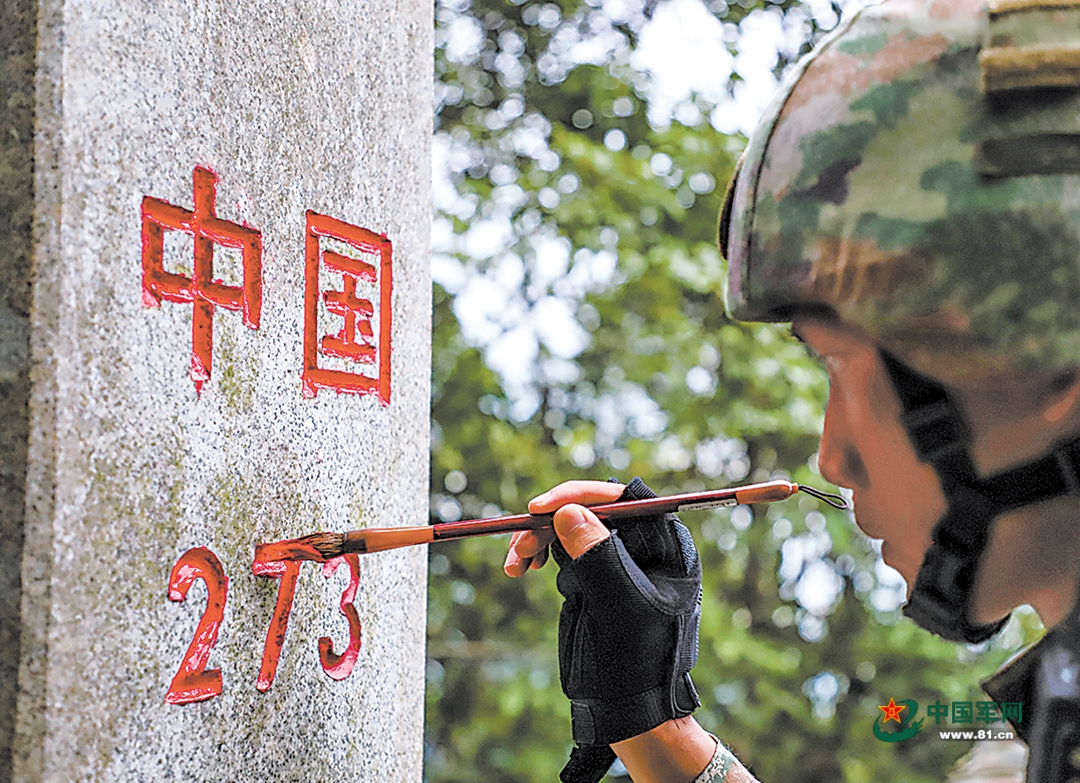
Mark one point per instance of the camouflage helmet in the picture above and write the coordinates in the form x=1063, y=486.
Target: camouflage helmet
x=919, y=174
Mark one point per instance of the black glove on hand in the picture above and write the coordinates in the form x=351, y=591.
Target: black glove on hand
x=628, y=634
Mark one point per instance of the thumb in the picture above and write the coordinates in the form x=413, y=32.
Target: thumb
x=579, y=529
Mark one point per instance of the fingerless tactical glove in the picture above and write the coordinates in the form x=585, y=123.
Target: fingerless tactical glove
x=628, y=634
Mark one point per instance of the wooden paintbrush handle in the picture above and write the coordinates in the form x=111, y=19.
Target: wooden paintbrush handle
x=446, y=531
x=766, y=493
x=626, y=509
x=379, y=539
x=697, y=501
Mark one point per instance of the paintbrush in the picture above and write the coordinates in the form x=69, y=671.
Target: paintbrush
x=324, y=546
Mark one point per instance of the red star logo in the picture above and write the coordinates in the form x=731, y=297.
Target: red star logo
x=892, y=711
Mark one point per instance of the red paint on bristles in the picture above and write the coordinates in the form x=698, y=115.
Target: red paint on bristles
x=291, y=549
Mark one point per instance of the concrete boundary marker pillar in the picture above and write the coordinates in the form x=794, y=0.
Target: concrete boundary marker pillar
x=216, y=335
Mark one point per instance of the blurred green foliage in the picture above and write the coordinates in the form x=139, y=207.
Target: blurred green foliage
x=801, y=637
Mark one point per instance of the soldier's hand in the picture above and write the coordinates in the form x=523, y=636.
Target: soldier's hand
x=577, y=528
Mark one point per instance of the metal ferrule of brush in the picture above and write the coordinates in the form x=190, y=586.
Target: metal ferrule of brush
x=354, y=542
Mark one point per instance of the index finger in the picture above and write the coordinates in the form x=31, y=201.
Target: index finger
x=584, y=493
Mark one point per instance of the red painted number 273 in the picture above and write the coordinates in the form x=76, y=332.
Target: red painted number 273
x=193, y=682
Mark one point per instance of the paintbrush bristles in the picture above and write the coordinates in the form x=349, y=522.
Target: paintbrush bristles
x=329, y=545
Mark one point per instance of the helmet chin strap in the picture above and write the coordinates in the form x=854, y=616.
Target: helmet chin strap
x=940, y=600
x=1045, y=682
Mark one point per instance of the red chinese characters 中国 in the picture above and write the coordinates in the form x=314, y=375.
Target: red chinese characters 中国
x=361, y=351
x=201, y=289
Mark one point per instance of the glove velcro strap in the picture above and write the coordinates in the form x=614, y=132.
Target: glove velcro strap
x=601, y=722
x=587, y=764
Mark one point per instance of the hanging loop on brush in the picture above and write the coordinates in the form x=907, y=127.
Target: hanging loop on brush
x=836, y=501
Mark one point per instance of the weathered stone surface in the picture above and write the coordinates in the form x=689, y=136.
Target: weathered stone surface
x=17, y=36
x=312, y=105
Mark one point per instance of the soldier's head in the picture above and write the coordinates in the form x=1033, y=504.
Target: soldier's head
x=911, y=202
